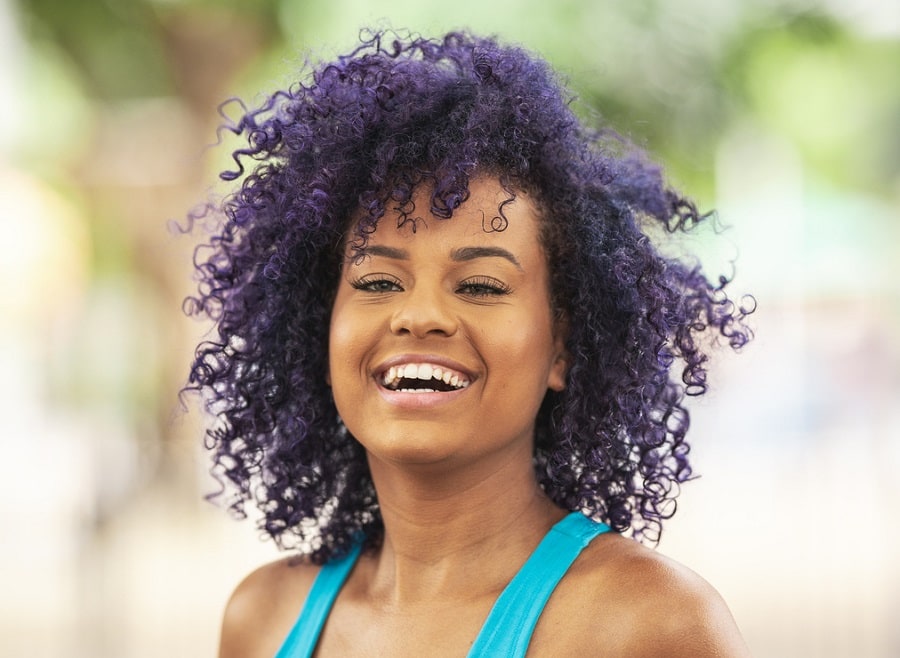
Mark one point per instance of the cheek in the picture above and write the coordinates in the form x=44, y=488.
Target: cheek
x=339, y=344
x=524, y=343
x=349, y=338
x=338, y=338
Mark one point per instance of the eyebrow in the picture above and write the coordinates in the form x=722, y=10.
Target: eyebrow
x=386, y=252
x=472, y=253
x=460, y=255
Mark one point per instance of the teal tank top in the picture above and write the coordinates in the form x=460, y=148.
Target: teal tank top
x=510, y=624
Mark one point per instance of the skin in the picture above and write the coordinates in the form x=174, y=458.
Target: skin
x=453, y=470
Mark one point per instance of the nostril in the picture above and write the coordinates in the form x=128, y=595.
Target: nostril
x=423, y=319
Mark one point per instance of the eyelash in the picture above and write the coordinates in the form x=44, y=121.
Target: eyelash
x=376, y=282
x=483, y=286
x=480, y=286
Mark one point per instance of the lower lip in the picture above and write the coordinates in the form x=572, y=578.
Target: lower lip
x=419, y=400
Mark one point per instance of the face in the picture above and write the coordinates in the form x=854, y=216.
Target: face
x=442, y=341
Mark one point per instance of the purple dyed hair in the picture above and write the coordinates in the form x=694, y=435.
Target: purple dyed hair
x=356, y=139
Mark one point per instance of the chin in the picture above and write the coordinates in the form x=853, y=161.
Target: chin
x=410, y=449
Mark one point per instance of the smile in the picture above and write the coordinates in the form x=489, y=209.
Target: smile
x=423, y=378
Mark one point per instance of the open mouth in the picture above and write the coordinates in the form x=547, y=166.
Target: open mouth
x=423, y=378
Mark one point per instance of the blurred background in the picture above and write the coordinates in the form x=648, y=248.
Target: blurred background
x=783, y=115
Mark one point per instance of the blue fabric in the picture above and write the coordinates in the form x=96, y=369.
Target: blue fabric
x=510, y=624
x=301, y=641
x=508, y=628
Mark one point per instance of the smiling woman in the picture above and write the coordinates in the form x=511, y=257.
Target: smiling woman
x=450, y=367
x=453, y=299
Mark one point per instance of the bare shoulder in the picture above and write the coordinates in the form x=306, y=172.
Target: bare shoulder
x=263, y=608
x=622, y=598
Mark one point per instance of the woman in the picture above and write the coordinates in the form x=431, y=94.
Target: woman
x=450, y=367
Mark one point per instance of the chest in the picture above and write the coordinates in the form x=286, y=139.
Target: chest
x=441, y=631
x=437, y=629
x=512, y=618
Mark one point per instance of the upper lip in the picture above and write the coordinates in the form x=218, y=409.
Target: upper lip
x=433, y=359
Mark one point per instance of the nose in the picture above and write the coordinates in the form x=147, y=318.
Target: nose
x=423, y=312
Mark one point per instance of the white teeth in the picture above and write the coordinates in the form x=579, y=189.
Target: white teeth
x=422, y=372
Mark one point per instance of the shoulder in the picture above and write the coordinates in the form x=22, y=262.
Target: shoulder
x=263, y=608
x=622, y=598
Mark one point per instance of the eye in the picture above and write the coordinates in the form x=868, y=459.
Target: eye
x=483, y=286
x=377, y=283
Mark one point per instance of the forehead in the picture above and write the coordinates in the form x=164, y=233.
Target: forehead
x=492, y=214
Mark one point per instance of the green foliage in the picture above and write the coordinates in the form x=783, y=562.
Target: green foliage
x=675, y=81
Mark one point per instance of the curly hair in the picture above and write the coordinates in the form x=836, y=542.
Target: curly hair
x=356, y=137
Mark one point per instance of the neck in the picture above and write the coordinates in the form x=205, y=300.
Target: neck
x=450, y=531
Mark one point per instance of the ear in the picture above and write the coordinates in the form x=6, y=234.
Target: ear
x=556, y=379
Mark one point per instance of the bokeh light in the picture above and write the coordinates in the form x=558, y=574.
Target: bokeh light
x=783, y=115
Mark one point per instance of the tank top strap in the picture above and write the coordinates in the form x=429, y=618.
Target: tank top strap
x=510, y=624
x=301, y=641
